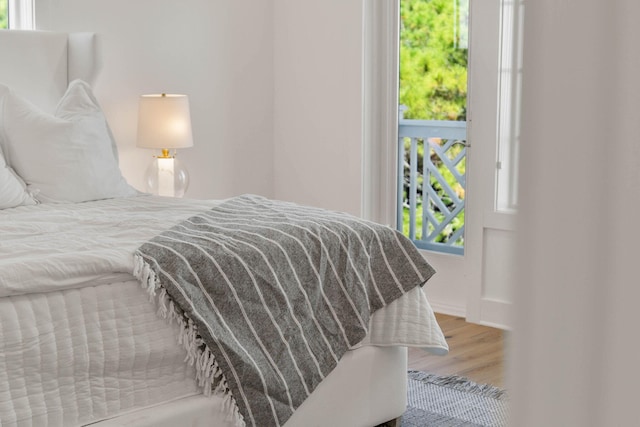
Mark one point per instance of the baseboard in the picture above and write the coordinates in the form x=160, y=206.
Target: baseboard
x=449, y=309
x=495, y=314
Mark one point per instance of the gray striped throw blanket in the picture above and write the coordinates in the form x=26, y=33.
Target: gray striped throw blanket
x=271, y=294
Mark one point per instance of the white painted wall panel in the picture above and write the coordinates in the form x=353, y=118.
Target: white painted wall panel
x=499, y=265
x=318, y=102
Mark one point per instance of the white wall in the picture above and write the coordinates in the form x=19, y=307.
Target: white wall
x=219, y=52
x=318, y=102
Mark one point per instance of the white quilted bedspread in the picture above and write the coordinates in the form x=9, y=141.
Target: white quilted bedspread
x=72, y=357
x=52, y=247
x=79, y=339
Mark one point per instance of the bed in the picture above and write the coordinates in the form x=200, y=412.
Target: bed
x=86, y=335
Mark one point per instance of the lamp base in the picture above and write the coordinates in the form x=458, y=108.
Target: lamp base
x=166, y=176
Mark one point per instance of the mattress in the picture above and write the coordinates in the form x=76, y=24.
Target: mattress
x=80, y=340
x=82, y=355
x=79, y=355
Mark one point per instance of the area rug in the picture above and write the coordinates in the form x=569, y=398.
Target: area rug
x=452, y=401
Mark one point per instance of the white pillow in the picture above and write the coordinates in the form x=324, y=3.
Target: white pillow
x=12, y=189
x=66, y=157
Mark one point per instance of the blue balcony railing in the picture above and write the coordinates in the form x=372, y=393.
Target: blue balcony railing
x=432, y=183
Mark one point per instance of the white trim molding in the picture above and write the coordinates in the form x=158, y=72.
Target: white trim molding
x=22, y=15
x=380, y=107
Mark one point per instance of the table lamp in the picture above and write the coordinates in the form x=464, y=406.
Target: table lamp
x=164, y=123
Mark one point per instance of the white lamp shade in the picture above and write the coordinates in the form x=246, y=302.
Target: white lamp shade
x=164, y=121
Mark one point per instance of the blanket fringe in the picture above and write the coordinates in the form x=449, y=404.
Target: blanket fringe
x=208, y=373
x=456, y=382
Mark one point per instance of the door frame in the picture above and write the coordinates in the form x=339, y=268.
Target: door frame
x=457, y=288
x=380, y=109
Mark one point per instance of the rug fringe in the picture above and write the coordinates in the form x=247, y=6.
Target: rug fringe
x=457, y=382
x=208, y=373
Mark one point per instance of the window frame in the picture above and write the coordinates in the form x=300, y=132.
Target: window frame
x=21, y=15
x=510, y=88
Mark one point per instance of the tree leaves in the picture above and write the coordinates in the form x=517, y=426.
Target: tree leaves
x=3, y=14
x=433, y=69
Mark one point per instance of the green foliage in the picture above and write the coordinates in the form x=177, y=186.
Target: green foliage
x=3, y=14
x=433, y=86
x=433, y=67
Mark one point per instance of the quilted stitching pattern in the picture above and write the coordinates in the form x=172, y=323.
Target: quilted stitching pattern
x=77, y=356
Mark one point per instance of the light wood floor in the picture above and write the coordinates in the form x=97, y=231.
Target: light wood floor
x=475, y=352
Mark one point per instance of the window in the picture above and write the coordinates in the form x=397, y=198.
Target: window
x=432, y=152
x=432, y=123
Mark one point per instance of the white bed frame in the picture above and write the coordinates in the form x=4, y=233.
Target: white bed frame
x=367, y=388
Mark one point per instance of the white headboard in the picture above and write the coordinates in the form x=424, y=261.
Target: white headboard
x=40, y=64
